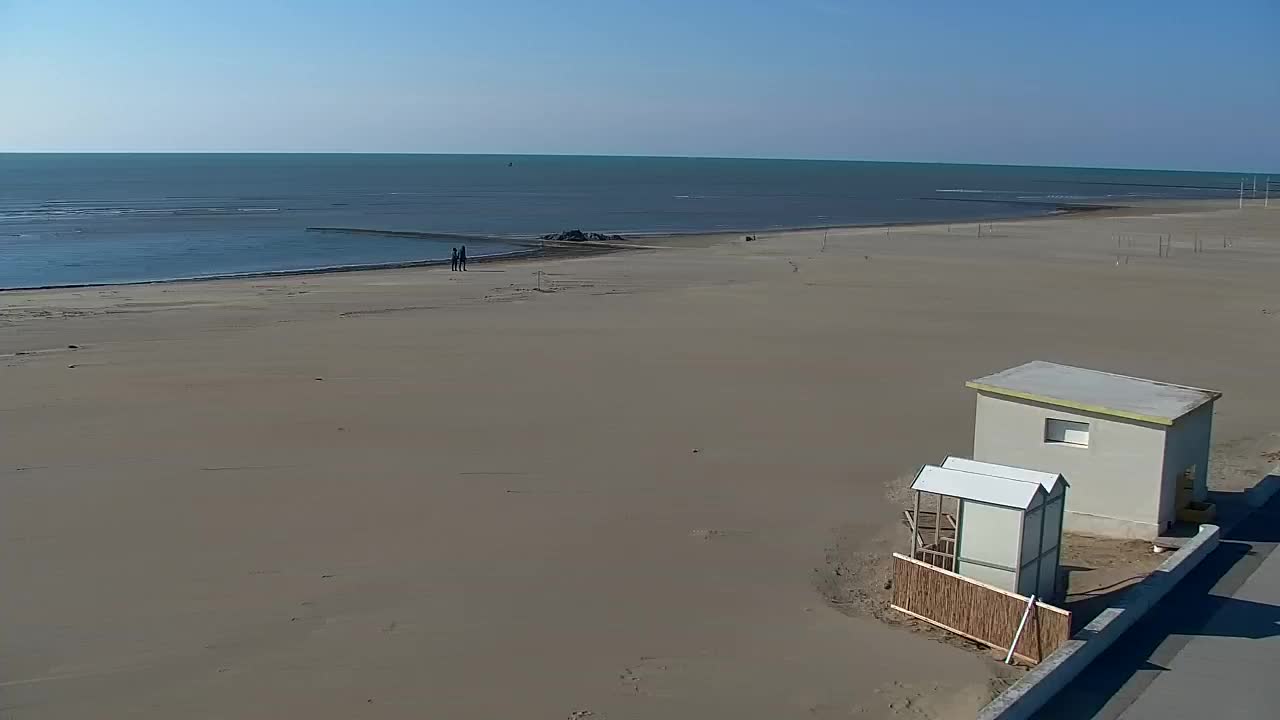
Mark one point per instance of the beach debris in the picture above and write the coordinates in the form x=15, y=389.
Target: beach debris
x=697, y=450
x=579, y=236
x=719, y=533
x=71, y=366
x=73, y=347
x=320, y=379
x=580, y=714
x=750, y=238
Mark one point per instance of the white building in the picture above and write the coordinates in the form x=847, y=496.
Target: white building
x=1134, y=450
x=1008, y=524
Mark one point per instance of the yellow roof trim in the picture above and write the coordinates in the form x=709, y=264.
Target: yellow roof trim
x=1097, y=409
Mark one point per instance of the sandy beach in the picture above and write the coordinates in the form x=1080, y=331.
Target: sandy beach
x=617, y=486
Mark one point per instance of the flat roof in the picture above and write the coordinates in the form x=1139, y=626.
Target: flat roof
x=990, y=489
x=1096, y=392
x=1047, y=480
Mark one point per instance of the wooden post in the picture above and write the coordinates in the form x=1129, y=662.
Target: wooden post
x=915, y=525
x=937, y=524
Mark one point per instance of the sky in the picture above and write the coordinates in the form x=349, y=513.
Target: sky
x=1180, y=84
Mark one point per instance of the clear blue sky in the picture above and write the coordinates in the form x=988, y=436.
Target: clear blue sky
x=1169, y=84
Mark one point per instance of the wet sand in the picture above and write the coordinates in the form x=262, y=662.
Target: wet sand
x=415, y=493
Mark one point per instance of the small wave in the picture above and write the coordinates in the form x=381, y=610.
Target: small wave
x=90, y=212
x=963, y=190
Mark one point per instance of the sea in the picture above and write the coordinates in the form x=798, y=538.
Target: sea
x=98, y=219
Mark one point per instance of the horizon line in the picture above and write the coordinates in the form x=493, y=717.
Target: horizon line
x=626, y=155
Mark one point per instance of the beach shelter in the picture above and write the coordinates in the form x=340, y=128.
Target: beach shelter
x=1006, y=527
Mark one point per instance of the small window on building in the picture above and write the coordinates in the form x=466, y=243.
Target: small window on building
x=1066, y=432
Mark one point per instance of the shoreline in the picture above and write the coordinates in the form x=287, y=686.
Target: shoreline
x=1062, y=210
x=313, y=271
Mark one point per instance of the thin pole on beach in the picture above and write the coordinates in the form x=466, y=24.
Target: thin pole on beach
x=1031, y=602
x=824, y=240
x=1266, y=199
x=1241, y=193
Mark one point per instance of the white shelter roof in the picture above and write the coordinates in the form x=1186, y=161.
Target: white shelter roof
x=990, y=489
x=1047, y=480
x=1096, y=391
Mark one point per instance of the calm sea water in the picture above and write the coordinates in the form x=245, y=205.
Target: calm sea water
x=88, y=219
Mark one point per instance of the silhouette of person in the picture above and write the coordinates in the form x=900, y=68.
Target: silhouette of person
x=462, y=258
x=453, y=260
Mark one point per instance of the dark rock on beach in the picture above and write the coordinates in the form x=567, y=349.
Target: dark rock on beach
x=579, y=236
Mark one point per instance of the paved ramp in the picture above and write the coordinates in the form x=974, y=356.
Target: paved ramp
x=1210, y=651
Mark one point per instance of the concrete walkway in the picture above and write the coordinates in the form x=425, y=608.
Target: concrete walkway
x=1210, y=650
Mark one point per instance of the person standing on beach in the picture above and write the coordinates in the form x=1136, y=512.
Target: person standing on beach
x=453, y=260
x=462, y=258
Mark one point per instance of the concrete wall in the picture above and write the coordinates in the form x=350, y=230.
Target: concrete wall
x=1116, y=482
x=1187, y=444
